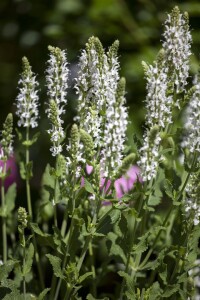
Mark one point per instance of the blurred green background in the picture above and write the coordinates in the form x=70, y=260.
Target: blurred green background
x=28, y=27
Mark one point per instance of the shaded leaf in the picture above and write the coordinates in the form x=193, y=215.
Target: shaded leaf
x=10, y=198
x=6, y=268
x=56, y=264
x=43, y=294
x=88, y=186
x=28, y=259
x=84, y=276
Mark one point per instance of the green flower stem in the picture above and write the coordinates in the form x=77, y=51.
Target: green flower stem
x=28, y=192
x=28, y=195
x=24, y=280
x=63, y=230
x=4, y=218
x=65, y=260
x=68, y=293
x=55, y=194
x=37, y=259
x=60, y=280
x=91, y=253
x=83, y=253
x=128, y=260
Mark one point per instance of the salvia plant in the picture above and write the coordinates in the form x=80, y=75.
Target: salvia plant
x=112, y=222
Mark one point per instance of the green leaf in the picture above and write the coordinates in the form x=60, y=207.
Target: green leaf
x=166, y=150
x=59, y=241
x=107, y=220
x=37, y=230
x=163, y=273
x=26, y=170
x=83, y=277
x=6, y=268
x=113, y=246
x=171, y=290
x=155, y=291
x=56, y=264
x=142, y=245
x=88, y=186
x=43, y=294
x=22, y=170
x=129, y=283
x=154, y=200
x=32, y=141
x=29, y=168
x=18, y=134
x=168, y=189
x=10, y=198
x=10, y=284
x=28, y=259
x=153, y=265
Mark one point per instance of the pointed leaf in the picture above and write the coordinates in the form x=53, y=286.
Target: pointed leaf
x=88, y=186
x=28, y=259
x=10, y=198
x=43, y=294
x=56, y=264
x=83, y=277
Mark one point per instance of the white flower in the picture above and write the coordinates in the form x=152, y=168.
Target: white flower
x=149, y=156
x=158, y=103
x=101, y=109
x=114, y=132
x=57, y=76
x=192, y=202
x=57, y=84
x=177, y=44
x=27, y=99
x=91, y=88
x=6, y=142
x=192, y=123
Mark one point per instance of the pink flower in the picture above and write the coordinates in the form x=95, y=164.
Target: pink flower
x=12, y=167
x=126, y=183
x=122, y=185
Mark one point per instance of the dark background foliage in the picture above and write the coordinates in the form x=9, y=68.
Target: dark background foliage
x=28, y=27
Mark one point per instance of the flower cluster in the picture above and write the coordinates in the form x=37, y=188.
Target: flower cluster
x=149, y=154
x=6, y=142
x=192, y=123
x=101, y=110
x=114, y=132
x=91, y=89
x=158, y=102
x=27, y=99
x=168, y=75
x=177, y=44
x=57, y=84
x=192, y=203
x=75, y=150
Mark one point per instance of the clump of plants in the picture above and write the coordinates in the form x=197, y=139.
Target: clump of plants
x=122, y=223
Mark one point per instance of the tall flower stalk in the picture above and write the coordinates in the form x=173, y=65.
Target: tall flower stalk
x=57, y=84
x=177, y=46
x=165, y=79
x=27, y=112
x=6, y=152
